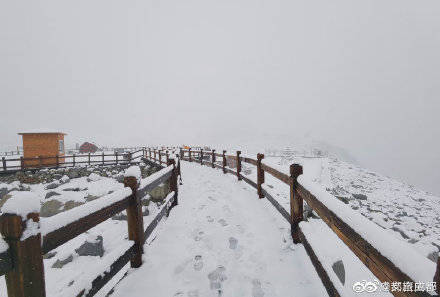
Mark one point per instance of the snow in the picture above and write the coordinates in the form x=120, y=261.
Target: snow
x=416, y=266
x=32, y=229
x=221, y=239
x=329, y=249
x=3, y=246
x=148, y=180
x=22, y=203
x=62, y=219
x=133, y=171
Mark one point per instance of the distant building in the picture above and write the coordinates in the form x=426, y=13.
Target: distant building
x=87, y=147
x=42, y=144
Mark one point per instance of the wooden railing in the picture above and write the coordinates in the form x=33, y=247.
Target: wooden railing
x=22, y=263
x=61, y=161
x=380, y=265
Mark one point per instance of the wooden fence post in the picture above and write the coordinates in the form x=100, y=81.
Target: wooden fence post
x=224, y=162
x=238, y=165
x=149, y=152
x=201, y=156
x=213, y=158
x=27, y=276
x=296, y=202
x=160, y=158
x=116, y=156
x=154, y=151
x=135, y=221
x=102, y=158
x=181, y=153
x=437, y=276
x=89, y=159
x=4, y=163
x=167, y=156
x=22, y=163
x=260, y=176
x=178, y=169
x=73, y=160
x=57, y=157
x=189, y=154
x=173, y=181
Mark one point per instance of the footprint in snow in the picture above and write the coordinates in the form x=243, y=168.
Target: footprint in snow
x=223, y=222
x=193, y=293
x=198, y=235
x=257, y=291
x=210, y=219
x=181, y=267
x=198, y=263
x=211, y=198
x=216, y=278
x=233, y=243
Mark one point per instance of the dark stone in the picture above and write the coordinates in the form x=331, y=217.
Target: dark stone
x=338, y=268
x=51, y=194
x=49, y=255
x=60, y=263
x=52, y=186
x=95, y=248
x=360, y=196
x=90, y=197
x=74, y=189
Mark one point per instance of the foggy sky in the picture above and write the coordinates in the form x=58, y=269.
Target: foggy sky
x=362, y=75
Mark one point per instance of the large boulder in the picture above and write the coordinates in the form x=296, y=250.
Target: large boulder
x=71, y=204
x=4, y=199
x=73, y=173
x=3, y=192
x=53, y=185
x=94, y=247
x=160, y=193
x=50, y=208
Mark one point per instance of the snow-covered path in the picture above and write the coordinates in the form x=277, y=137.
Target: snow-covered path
x=222, y=241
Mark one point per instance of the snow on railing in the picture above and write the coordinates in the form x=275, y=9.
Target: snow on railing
x=62, y=219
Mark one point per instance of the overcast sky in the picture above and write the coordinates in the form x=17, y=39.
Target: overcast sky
x=362, y=75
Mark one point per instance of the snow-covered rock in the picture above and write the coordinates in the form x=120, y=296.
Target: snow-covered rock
x=21, y=204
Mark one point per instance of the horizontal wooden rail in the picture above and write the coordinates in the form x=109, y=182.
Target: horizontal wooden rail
x=62, y=161
x=275, y=173
x=62, y=235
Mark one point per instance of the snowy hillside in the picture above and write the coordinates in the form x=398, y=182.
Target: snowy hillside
x=410, y=214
